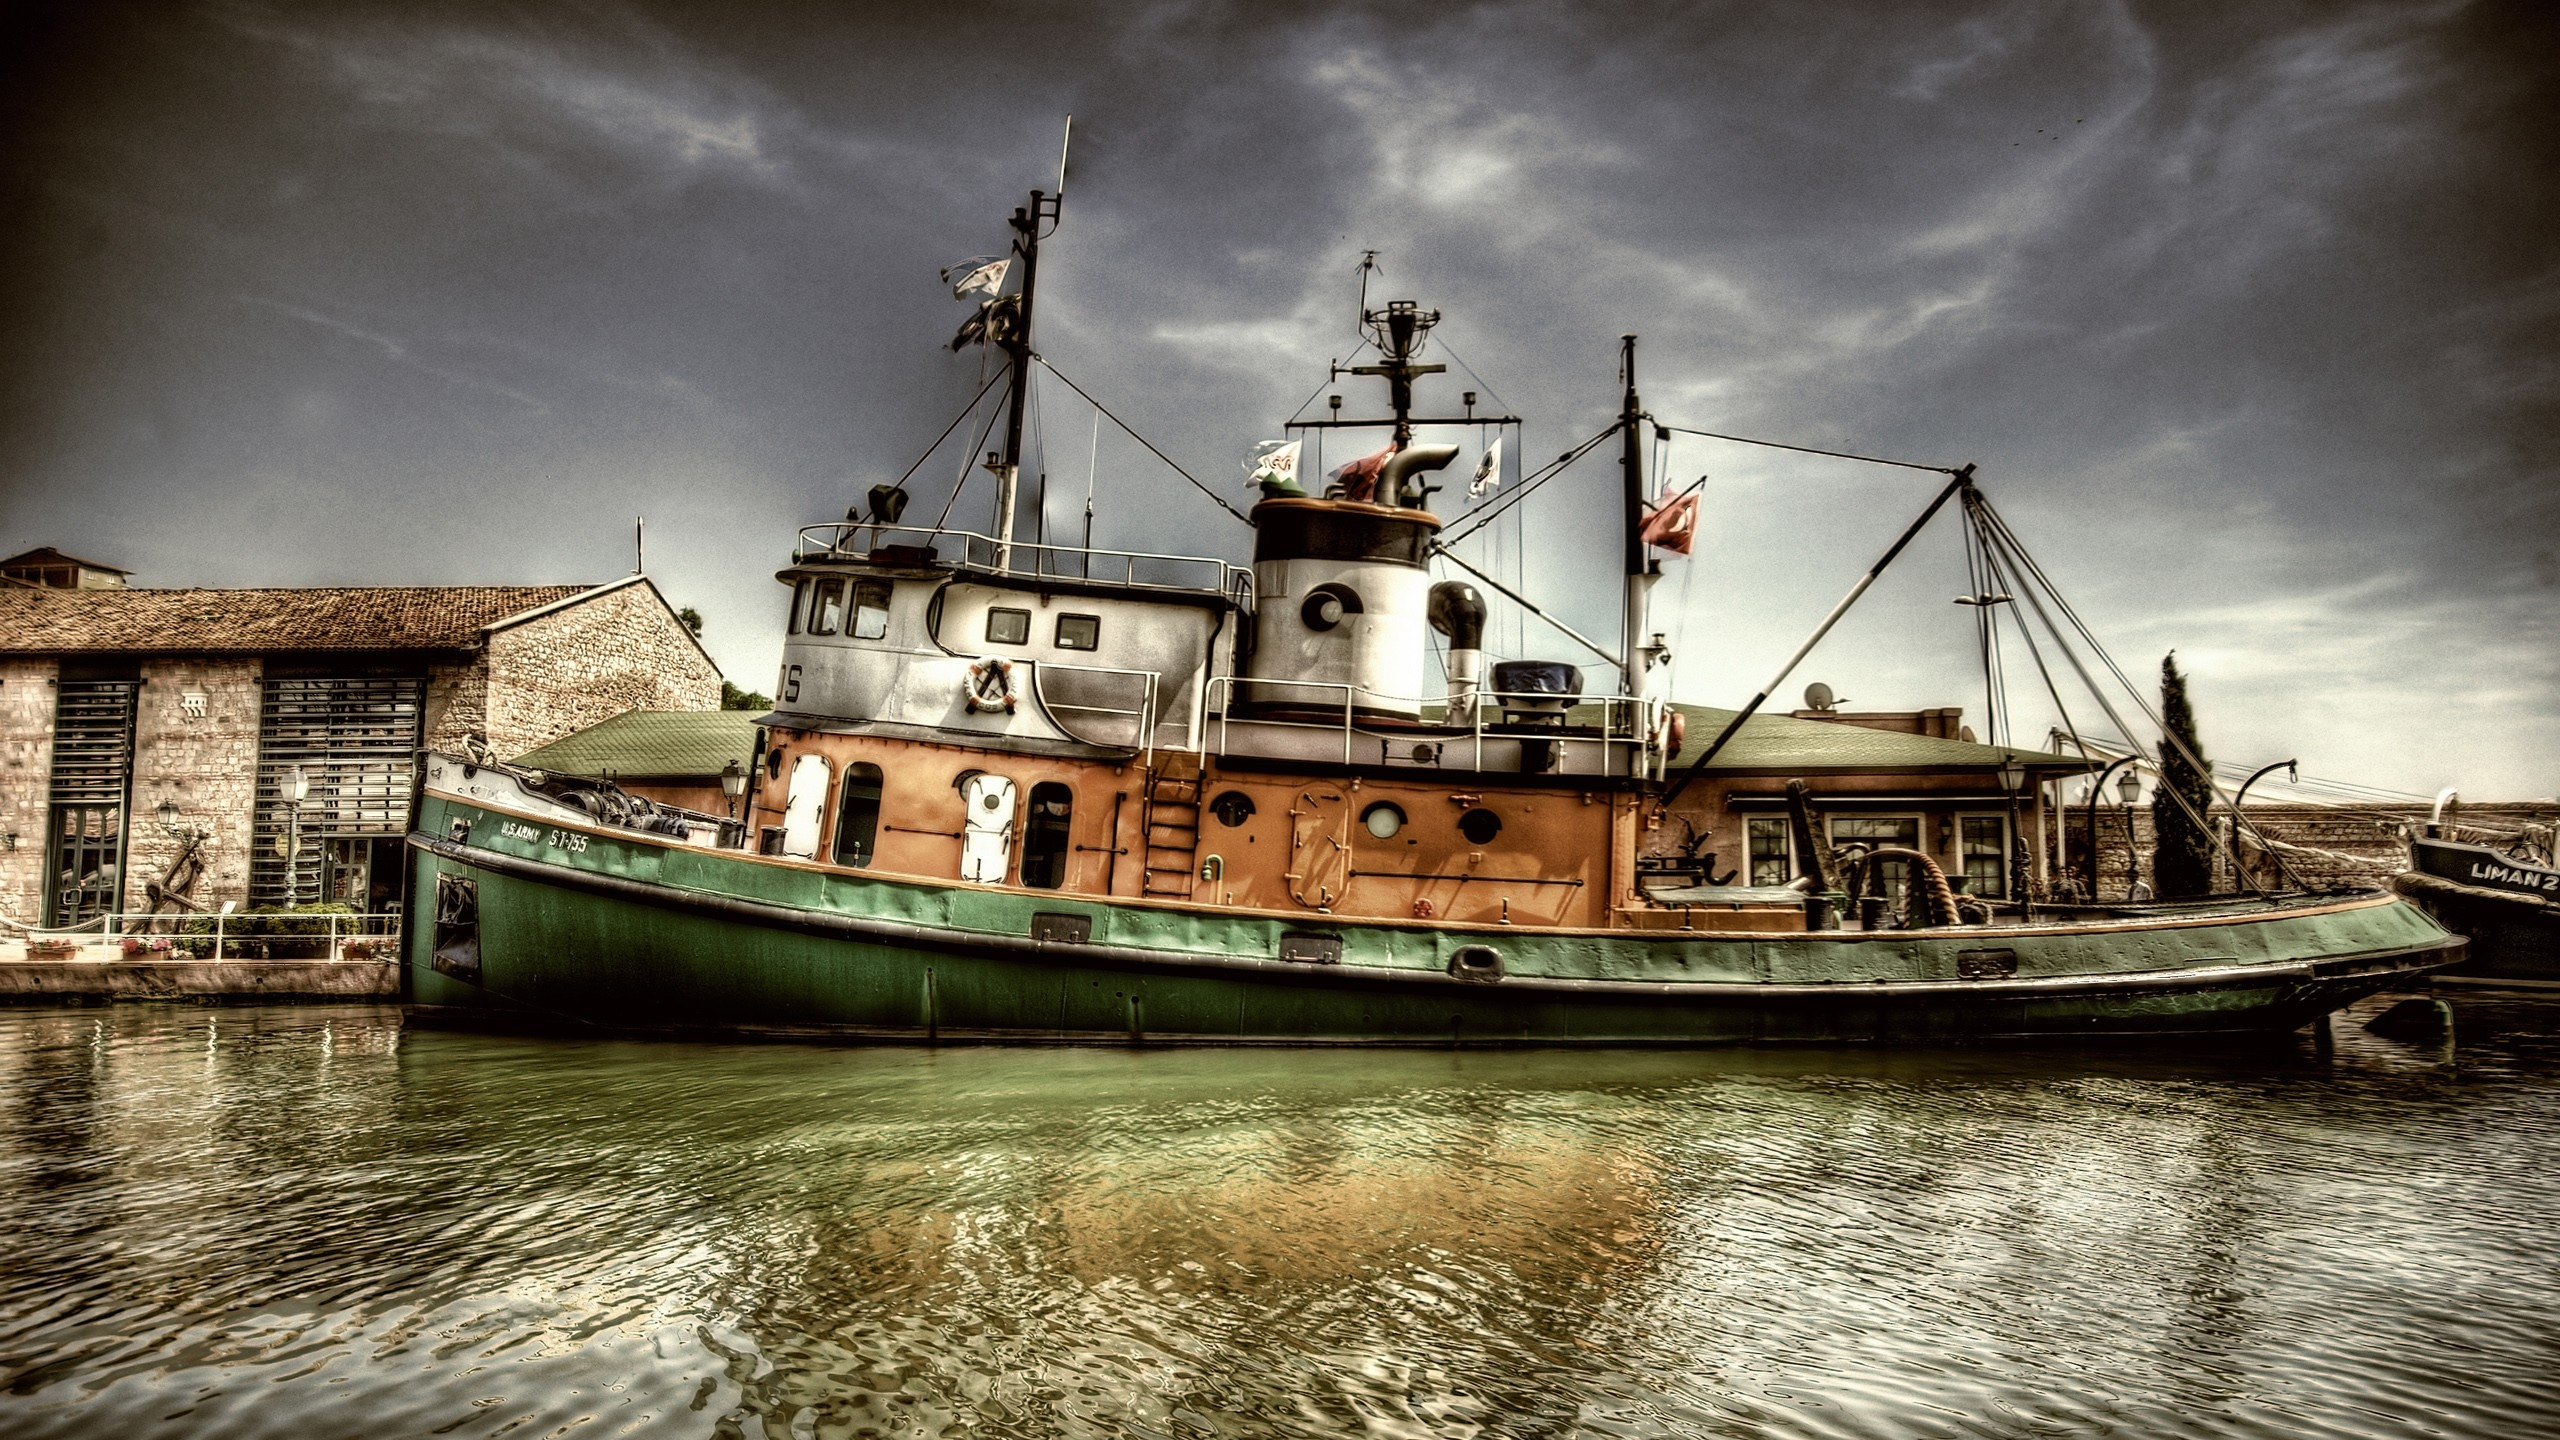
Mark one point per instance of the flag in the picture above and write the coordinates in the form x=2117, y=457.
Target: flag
x=980, y=273
x=1359, y=478
x=1488, y=473
x=1673, y=525
x=1274, y=467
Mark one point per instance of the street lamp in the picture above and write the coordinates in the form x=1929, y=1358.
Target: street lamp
x=2131, y=789
x=2292, y=774
x=167, y=815
x=733, y=783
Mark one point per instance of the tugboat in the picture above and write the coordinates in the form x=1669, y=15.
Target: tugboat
x=1015, y=791
x=2505, y=899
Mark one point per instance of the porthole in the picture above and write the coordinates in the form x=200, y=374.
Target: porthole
x=1480, y=826
x=1384, y=819
x=1232, y=809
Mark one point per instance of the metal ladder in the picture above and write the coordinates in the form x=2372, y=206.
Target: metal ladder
x=1171, y=825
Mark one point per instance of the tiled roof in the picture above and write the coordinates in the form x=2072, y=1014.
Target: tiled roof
x=654, y=743
x=1781, y=742
x=408, y=617
x=47, y=555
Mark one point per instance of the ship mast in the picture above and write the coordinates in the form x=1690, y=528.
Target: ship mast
x=1015, y=339
x=1641, y=567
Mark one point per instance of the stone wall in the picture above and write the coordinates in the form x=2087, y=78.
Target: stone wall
x=26, y=784
x=588, y=662
x=456, y=703
x=2364, y=843
x=202, y=757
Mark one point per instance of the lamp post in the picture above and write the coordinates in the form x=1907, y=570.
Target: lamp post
x=733, y=784
x=296, y=786
x=2131, y=789
x=2239, y=865
x=2011, y=776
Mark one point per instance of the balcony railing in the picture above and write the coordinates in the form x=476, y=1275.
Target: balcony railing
x=223, y=936
x=1133, y=569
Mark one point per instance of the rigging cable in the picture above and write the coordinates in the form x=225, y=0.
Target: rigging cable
x=1477, y=521
x=1213, y=495
x=963, y=482
x=956, y=421
x=1810, y=450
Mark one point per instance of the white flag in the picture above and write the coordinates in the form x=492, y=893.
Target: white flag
x=1488, y=473
x=979, y=274
x=1275, y=463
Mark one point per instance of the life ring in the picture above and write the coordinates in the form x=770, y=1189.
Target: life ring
x=989, y=686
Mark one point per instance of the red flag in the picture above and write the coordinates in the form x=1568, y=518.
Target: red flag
x=1673, y=526
x=1359, y=478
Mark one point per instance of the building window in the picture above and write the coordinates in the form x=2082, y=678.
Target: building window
x=1986, y=855
x=352, y=739
x=1008, y=627
x=1079, y=632
x=1770, y=862
x=858, y=815
x=1877, y=832
x=799, y=607
x=870, y=609
x=826, y=609
x=1044, y=836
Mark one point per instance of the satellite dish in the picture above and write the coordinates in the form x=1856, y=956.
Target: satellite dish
x=1818, y=696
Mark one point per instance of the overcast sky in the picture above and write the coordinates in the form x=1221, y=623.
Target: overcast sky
x=2246, y=312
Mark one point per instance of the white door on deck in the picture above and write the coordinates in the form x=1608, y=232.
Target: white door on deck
x=802, y=807
x=986, y=836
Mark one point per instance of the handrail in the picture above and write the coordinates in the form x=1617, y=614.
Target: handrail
x=1144, y=715
x=1645, y=712
x=344, y=928
x=843, y=540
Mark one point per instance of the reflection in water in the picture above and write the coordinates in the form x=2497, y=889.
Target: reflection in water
x=286, y=1221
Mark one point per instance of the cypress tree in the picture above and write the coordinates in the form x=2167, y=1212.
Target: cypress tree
x=2181, y=847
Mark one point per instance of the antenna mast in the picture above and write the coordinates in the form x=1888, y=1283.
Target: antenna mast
x=1016, y=342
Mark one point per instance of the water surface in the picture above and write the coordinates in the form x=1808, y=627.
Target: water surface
x=306, y=1222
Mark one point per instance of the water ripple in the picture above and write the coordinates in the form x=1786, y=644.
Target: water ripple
x=306, y=1222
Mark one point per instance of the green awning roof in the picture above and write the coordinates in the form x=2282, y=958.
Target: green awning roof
x=652, y=743
x=1782, y=742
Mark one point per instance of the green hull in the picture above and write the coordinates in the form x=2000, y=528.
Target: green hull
x=592, y=929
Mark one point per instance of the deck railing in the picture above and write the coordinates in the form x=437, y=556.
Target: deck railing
x=1141, y=715
x=225, y=935
x=1632, y=722
x=1136, y=569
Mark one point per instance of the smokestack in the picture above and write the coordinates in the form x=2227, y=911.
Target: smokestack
x=1457, y=611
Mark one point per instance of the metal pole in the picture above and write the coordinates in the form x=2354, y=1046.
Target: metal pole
x=1008, y=468
x=1631, y=470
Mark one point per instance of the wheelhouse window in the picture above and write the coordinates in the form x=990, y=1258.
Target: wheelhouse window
x=870, y=609
x=799, y=607
x=1767, y=840
x=1079, y=632
x=1986, y=855
x=1008, y=627
x=1044, y=835
x=858, y=815
x=826, y=609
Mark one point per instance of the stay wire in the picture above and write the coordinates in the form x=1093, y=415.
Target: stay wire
x=1810, y=450
x=963, y=482
x=956, y=422
x=1215, y=498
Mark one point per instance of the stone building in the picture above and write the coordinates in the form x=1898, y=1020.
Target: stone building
x=151, y=737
